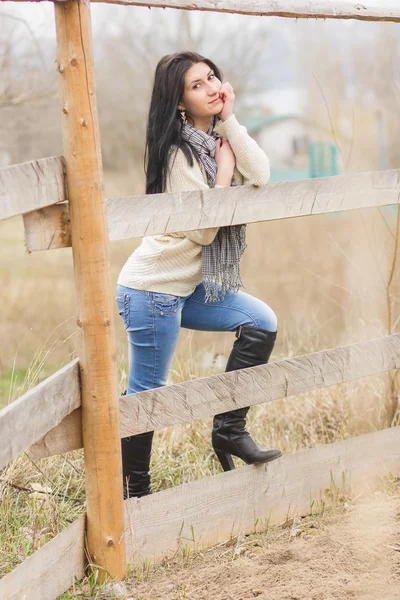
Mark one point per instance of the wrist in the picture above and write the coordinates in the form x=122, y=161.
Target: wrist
x=224, y=178
x=226, y=117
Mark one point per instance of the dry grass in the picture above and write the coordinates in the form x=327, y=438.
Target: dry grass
x=181, y=454
x=326, y=278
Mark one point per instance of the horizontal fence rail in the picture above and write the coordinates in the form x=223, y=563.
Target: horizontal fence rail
x=201, y=398
x=31, y=185
x=31, y=416
x=50, y=570
x=214, y=509
x=368, y=10
x=157, y=214
x=48, y=228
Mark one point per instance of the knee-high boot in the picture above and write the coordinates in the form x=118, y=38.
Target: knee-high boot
x=252, y=347
x=136, y=454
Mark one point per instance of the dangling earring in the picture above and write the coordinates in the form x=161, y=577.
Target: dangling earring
x=183, y=114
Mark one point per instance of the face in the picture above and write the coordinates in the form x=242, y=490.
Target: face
x=200, y=97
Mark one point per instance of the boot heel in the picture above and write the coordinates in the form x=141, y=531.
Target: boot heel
x=225, y=459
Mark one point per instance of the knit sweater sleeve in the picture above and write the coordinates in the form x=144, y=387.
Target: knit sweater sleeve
x=184, y=178
x=251, y=160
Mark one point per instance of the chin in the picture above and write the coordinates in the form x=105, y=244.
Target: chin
x=216, y=109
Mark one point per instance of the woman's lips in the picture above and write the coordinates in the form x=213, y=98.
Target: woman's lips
x=216, y=100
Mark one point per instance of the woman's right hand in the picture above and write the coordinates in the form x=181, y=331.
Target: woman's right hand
x=226, y=161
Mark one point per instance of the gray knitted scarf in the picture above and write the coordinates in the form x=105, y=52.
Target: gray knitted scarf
x=221, y=259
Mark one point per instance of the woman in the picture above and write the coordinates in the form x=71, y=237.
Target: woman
x=191, y=278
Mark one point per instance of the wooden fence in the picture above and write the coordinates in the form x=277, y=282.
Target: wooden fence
x=62, y=204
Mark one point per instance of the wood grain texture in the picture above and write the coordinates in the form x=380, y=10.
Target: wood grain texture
x=182, y=402
x=90, y=250
x=48, y=228
x=198, y=399
x=167, y=213
x=51, y=570
x=138, y=216
x=31, y=185
x=28, y=418
x=367, y=10
x=63, y=438
x=215, y=508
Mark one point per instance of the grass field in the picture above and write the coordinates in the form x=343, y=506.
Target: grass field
x=327, y=279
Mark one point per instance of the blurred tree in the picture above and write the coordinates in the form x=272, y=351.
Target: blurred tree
x=29, y=126
x=128, y=42
x=133, y=41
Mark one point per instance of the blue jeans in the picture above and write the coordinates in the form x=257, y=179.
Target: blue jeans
x=153, y=321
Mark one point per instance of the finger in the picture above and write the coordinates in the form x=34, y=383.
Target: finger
x=228, y=93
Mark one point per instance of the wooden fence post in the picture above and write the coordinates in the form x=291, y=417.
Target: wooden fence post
x=100, y=417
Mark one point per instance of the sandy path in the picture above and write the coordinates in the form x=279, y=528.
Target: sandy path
x=354, y=556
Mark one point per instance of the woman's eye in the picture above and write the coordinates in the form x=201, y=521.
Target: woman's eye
x=196, y=84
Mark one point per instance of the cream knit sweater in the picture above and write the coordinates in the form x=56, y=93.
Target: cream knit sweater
x=171, y=263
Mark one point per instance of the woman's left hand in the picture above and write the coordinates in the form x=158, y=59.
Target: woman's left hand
x=227, y=95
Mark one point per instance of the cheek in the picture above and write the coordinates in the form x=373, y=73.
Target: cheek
x=195, y=100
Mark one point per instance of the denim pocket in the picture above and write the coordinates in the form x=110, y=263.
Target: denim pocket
x=164, y=303
x=123, y=308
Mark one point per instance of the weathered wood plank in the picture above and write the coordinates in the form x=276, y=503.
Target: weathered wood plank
x=63, y=438
x=28, y=418
x=368, y=10
x=156, y=214
x=138, y=216
x=51, y=570
x=48, y=228
x=198, y=399
x=31, y=185
x=179, y=403
x=213, y=509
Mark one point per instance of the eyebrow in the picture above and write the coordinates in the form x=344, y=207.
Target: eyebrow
x=196, y=80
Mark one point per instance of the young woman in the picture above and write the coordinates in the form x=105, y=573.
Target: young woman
x=191, y=279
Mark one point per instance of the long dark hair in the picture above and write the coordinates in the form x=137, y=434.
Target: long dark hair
x=164, y=124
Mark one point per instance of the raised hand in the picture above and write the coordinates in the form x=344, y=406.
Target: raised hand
x=227, y=96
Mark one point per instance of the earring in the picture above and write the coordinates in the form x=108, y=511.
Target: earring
x=183, y=114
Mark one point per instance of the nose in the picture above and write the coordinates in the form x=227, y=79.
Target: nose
x=212, y=94
x=213, y=89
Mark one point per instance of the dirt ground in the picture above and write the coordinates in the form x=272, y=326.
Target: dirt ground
x=352, y=555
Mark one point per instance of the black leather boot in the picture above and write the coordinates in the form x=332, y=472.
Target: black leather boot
x=252, y=347
x=136, y=454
